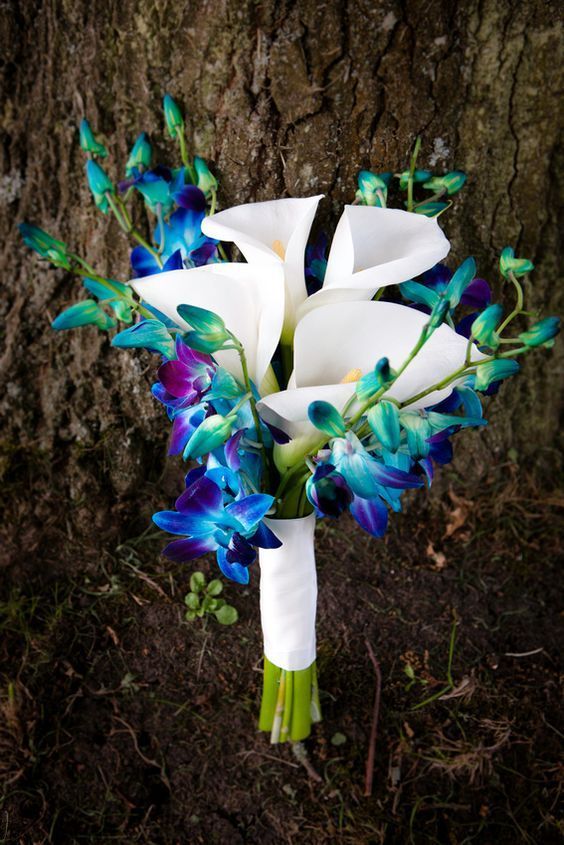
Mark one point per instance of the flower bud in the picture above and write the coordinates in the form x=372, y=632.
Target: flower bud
x=384, y=419
x=509, y=264
x=451, y=182
x=542, y=332
x=325, y=417
x=418, y=176
x=85, y=313
x=88, y=142
x=46, y=246
x=140, y=155
x=173, y=116
x=206, y=180
x=148, y=334
x=210, y=434
x=99, y=184
x=497, y=370
x=485, y=324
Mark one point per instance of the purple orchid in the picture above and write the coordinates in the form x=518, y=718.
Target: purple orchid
x=208, y=525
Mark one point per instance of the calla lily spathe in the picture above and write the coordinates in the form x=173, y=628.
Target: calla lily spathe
x=372, y=247
x=336, y=340
x=248, y=298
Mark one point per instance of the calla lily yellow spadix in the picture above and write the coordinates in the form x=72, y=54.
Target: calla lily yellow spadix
x=297, y=395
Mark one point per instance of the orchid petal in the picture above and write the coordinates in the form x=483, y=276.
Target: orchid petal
x=188, y=549
x=371, y=514
x=233, y=571
x=250, y=510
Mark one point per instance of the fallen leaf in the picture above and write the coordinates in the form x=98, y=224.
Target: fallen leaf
x=439, y=558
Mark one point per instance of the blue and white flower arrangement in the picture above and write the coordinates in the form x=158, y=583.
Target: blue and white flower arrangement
x=300, y=383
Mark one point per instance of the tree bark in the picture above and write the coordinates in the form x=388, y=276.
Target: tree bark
x=285, y=99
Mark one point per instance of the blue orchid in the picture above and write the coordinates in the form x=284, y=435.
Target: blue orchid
x=208, y=525
x=365, y=475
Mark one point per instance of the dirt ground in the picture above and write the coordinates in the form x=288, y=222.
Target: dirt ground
x=124, y=723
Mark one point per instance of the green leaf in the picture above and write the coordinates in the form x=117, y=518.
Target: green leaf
x=190, y=615
x=226, y=615
x=209, y=604
x=338, y=739
x=214, y=588
x=192, y=601
x=197, y=582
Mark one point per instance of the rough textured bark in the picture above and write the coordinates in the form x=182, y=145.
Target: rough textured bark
x=285, y=99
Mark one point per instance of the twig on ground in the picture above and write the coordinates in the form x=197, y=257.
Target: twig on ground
x=374, y=730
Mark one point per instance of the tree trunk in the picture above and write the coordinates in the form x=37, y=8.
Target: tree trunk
x=285, y=99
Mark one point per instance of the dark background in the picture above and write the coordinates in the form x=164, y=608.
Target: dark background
x=123, y=723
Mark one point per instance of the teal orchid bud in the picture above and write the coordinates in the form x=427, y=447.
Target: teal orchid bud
x=206, y=180
x=369, y=385
x=416, y=292
x=460, y=281
x=384, y=420
x=438, y=314
x=148, y=334
x=431, y=209
x=418, y=176
x=173, y=116
x=327, y=419
x=493, y=371
x=46, y=246
x=209, y=342
x=210, y=434
x=485, y=324
x=372, y=189
x=201, y=320
x=509, y=264
x=451, y=182
x=541, y=333
x=210, y=332
x=88, y=142
x=140, y=155
x=86, y=313
x=418, y=431
x=99, y=184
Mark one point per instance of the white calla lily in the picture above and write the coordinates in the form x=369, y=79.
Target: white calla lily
x=375, y=247
x=372, y=247
x=341, y=342
x=248, y=297
x=276, y=231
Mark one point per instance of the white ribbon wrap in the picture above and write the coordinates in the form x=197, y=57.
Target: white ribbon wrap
x=288, y=594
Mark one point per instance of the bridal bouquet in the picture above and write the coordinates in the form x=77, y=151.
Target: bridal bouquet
x=299, y=385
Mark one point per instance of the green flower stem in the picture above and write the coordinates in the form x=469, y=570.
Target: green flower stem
x=412, y=165
x=222, y=252
x=189, y=165
x=287, y=355
x=213, y=204
x=279, y=709
x=247, y=380
x=87, y=272
x=122, y=216
x=433, y=198
x=382, y=198
x=518, y=305
x=290, y=702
